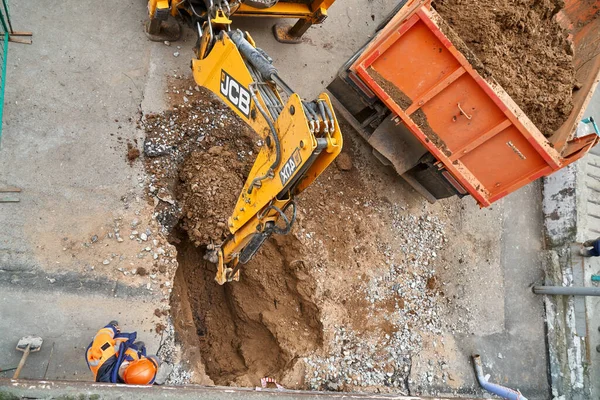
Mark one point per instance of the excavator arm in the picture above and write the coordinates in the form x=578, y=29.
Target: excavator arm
x=300, y=138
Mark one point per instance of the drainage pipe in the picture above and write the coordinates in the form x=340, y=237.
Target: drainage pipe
x=567, y=290
x=501, y=391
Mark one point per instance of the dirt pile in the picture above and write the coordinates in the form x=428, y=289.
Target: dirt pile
x=253, y=329
x=401, y=302
x=523, y=48
x=211, y=182
x=342, y=303
x=198, y=157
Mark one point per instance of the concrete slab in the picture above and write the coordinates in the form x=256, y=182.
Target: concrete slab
x=62, y=390
x=511, y=336
x=67, y=323
x=72, y=101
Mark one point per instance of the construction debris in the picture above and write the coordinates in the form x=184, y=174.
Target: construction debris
x=313, y=297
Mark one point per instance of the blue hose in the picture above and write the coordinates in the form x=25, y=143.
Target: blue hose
x=591, y=120
x=501, y=391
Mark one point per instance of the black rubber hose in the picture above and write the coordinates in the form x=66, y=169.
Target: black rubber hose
x=331, y=119
x=277, y=161
x=323, y=115
x=314, y=114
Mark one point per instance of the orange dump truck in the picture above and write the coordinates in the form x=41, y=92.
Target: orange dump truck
x=448, y=131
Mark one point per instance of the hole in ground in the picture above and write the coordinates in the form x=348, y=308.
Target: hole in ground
x=244, y=331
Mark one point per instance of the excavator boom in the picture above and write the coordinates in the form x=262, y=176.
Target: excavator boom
x=300, y=138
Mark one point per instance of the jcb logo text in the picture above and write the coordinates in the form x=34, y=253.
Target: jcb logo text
x=235, y=93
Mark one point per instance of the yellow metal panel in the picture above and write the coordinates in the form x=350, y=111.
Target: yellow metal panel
x=225, y=58
x=153, y=5
x=294, y=136
x=287, y=10
x=322, y=4
x=334, y=148
x=224, y=72
x=280, y=10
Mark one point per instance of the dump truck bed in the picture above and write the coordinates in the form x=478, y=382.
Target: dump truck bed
x=422, y=73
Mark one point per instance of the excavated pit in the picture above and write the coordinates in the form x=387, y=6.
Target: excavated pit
x=250, y=329
x=342, y=303
x=198, y=156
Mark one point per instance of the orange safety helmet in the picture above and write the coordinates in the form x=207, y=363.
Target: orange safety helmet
x=140, y=372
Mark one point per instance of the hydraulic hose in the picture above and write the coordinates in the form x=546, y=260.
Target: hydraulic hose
x=254, y=57
x=331, y=119
x=323, y=115
x=314, y=114
x=275, y=165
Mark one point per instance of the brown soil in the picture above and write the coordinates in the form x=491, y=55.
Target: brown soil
x=257, y=327
x=133, y=153
x=421, y=120
x=404, y=102
x=344, y=162
x=523, y=48
x=210, y=183
x=338, y=304
x=392, y=90
x=198, y=155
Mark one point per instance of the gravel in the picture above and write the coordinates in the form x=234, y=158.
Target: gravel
x=170, y=353
x=408, y=281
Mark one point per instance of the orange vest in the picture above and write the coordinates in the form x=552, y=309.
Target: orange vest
x=105, y=346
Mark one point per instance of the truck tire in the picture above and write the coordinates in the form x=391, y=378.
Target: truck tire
x=431, y=178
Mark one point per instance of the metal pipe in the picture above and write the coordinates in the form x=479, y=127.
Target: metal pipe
x=281, y=83
x=274, y=108
x=501, y=391
x=267, y=100
x=273, y=99
x=567, y=290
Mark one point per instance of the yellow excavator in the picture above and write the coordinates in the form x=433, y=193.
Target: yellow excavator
x=162, y=24
x=300, y=138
